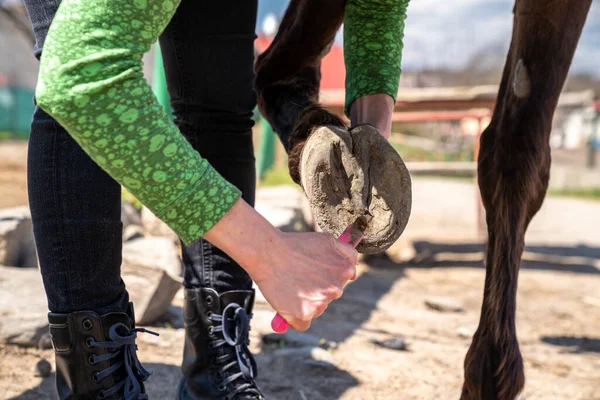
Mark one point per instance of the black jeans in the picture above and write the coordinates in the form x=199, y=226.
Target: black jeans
x=208, y=53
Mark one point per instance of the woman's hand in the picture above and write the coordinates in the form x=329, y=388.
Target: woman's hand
x=303, y=273
x=375, y=110
x=298, y=273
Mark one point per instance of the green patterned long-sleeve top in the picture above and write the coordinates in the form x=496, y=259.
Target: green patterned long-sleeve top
x=373, y=33
x=91, y=82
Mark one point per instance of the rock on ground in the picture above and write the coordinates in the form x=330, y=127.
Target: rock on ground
x=132, y=232
x=297, y=339
x=312, y=356
x=286, y=207
x=393, y=343
x=17, y=246
x=23, y=306
x=152, y=273
x=155, y=227
x=151, y=270
x=130, y=215
x=466, y=332
x=444, y=304
x=45, y=342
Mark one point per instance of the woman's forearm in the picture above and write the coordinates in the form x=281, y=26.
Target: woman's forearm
x=375, y=110
x=91, y=82
x=373, y=33
x=246, y=236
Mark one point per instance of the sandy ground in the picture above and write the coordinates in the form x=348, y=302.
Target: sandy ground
x=558, y=317
x=13, y=182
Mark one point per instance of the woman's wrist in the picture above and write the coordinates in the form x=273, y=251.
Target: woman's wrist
x=375, y=110
x=245, y=236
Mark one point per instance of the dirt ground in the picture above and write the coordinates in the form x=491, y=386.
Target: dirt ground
x=440, y=254
x=13, y=182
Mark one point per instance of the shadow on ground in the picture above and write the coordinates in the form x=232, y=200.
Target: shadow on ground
x=579, y=259
x=304, y=380
x=283, y=378
x=360, y=298
x=292, y=379
x=574, y=344
x=161, y=385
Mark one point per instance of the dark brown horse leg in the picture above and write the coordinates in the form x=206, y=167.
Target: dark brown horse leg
x=288, y=73
x=514, y=165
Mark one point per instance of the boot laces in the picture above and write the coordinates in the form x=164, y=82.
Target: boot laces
x=124, y=354
x=231, y=335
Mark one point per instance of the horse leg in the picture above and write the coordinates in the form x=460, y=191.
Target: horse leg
x=513, y=172
x=288, y=74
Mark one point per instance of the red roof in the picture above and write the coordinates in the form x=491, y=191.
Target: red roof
x=333, y=71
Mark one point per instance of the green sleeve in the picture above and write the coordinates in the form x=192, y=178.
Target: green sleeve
x=373, y=33
x=91, y=82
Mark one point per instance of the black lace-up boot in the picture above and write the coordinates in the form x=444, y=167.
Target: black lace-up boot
x=216, y=361
x=96, y=356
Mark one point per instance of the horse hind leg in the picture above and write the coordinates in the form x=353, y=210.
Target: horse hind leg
x=513, y=171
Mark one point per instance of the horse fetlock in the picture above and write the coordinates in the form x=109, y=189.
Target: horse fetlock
x=309, y=120
x=493, y=370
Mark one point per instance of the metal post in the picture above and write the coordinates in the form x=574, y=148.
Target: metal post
x=591, y=159
x=266, y=149
x=159, y=82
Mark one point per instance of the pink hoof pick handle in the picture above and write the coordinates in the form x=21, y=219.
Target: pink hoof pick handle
x=352, y=235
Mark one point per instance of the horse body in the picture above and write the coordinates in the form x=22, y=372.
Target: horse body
x=514, y=155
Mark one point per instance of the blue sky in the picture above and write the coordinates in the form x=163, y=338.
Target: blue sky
x=447, y=33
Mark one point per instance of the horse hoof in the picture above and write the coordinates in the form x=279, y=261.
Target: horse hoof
x=345, y=172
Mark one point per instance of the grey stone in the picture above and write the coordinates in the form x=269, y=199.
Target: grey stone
x=313, y=356
x=130, y=215
x=320, y=358
x=23, y=307
x=444, y=304
x=175, y=317
x=17, y=245
x=155, y=227
x=152, y=273
x=154, y=340
x=286, y=196
x=42, y=368
x=45, y=342
x=132, y=232
x=465, y=332
x=292, y=338
x=285, y=207
x=394, y=343
x=285, y=219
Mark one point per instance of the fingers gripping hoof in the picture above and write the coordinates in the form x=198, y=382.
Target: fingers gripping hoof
x=345, y=172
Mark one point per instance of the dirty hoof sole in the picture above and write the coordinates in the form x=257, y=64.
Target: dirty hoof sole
x=344, y=171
